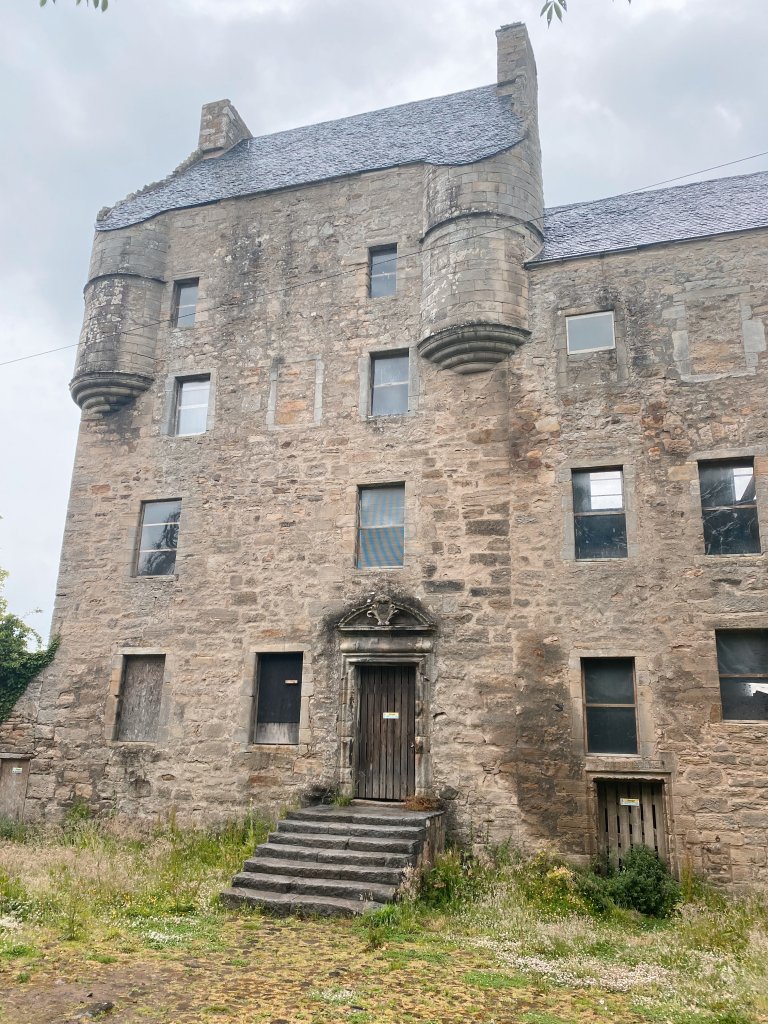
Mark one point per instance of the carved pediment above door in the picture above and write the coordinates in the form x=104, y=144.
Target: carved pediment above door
x=385, y=614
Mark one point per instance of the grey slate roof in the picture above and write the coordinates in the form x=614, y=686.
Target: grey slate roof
x=667, y=215
x=456, y=129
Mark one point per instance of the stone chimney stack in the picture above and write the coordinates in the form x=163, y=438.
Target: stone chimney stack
x=221, y=128
x=516, y=75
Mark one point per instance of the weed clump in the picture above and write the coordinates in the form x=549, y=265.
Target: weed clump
x=643, y=883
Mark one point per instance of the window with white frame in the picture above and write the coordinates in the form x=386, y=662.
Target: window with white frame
x=590, y=332
x=389, y=384
x=191, y=415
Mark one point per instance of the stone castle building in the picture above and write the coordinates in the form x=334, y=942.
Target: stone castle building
x=391, y=480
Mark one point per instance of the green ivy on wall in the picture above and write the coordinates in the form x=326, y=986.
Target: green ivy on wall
x=18, y=664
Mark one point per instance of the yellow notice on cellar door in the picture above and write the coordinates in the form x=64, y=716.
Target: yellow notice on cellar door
x=629, y=801
x=391, y=714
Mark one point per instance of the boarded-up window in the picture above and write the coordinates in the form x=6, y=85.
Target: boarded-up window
x=278, y=698
x=140, y=693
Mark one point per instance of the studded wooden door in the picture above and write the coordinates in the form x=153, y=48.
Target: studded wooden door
x=386, y=748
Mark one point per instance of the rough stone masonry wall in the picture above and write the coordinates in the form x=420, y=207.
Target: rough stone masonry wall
x=267, y=538
x=687, y=380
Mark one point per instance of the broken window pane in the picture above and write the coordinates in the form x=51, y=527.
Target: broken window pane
x=383, y=271
x=742, y=660
x=381, y=527
x=389, y=384
x=609, y=695
x=159, y=538
x=140, y=693
x=600, y=526
x=729, y=507
x=278, y=705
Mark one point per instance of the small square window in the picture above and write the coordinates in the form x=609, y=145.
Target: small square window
x=609, y=698
x=381, y=527
x=141, y=689
x=158, y=538
x=599, y=519
x=185, y=303
x=729, y=507
x=389, y=384
x=382, y=278
x=742, y=661
x=192, y=406
x=592, y=332
x=278, y=698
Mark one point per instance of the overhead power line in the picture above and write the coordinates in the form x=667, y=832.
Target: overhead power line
x=353, y=269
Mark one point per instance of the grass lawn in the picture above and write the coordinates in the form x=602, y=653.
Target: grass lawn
x=90, y=918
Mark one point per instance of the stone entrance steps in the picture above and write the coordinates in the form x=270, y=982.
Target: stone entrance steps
x=335, y=860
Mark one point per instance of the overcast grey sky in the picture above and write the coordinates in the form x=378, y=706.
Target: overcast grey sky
x=97, y=105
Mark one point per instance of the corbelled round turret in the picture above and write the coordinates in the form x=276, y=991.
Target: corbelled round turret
x=483, y=222
x=116, y=355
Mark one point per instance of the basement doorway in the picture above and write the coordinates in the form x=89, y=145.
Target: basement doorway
x=386, y=760
x=631, y=813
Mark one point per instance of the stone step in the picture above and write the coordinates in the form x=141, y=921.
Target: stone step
x=417, y=819
x=344, y=842
x=314, y=854
x=282, y=904
x=343, y=828
x=333, y=887
x=310, y=869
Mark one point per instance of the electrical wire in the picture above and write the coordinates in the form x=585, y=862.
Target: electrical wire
x=355, y=268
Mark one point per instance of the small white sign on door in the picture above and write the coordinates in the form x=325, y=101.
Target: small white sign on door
x=629, y=801
x=391, y=714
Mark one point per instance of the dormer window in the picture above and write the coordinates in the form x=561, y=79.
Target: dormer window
x=590, y=332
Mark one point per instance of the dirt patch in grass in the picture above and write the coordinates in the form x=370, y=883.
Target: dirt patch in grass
x=297, y=972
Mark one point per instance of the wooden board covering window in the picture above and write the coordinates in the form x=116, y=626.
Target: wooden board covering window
x=140, y=694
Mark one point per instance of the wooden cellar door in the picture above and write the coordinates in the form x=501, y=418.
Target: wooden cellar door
x=631, y=813
x=386, y=749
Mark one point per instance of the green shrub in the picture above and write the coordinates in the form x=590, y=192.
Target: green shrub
x=457, y=877
x=555, y=889
x=643, y=883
